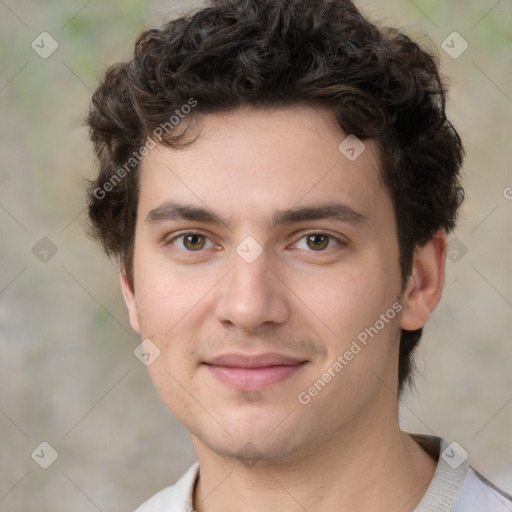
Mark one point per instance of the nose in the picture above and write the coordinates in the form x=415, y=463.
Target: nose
x=252, y=295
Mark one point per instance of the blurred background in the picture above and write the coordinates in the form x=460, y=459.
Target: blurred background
x=68, y=375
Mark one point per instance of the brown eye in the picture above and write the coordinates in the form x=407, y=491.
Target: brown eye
x=194, y=242
x=317, y=242
x=190, y=241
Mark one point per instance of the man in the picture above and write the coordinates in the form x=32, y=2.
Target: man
x=277, y=180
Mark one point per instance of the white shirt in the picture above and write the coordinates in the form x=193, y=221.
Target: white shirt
x=455, y=486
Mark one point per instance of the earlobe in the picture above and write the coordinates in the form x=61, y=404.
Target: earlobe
x=425, y=284
x=129, y=299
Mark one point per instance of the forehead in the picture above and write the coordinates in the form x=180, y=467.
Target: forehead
x=256, y=160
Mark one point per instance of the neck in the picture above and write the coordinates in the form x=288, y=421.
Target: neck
x=366, y=467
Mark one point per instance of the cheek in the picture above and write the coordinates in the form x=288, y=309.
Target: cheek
x=164, y=294
x=347, y=296
x=347, y=303
x=164, y=307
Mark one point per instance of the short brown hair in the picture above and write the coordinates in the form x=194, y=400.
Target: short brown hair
x=270, y=53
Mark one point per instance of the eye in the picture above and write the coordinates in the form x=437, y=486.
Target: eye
x=317, y=242
x=192, y=242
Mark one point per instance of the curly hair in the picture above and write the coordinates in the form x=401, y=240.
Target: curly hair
x=379, y=83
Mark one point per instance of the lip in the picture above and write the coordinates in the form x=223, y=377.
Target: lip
x=253, y=372
x=253, y=361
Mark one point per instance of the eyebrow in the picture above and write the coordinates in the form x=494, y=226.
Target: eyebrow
x=332, y=210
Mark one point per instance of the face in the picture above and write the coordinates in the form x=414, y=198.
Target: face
x=266, y=274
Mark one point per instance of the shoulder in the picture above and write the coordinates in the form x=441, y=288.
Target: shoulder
x=456, y=486
x=477, y=494
x=176, y=498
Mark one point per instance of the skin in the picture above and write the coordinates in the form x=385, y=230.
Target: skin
x=295, y=299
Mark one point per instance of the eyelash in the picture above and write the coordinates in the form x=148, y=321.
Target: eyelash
x=340, y=242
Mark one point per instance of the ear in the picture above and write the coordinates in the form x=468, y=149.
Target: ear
x=129, y=299
x=425, y=284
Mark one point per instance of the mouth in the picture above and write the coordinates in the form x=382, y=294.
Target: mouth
x=247, y=373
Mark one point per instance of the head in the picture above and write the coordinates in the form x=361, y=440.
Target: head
x=225, y=123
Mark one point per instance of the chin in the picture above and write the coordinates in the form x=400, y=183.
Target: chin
x=254, y=437
x=251, y=450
